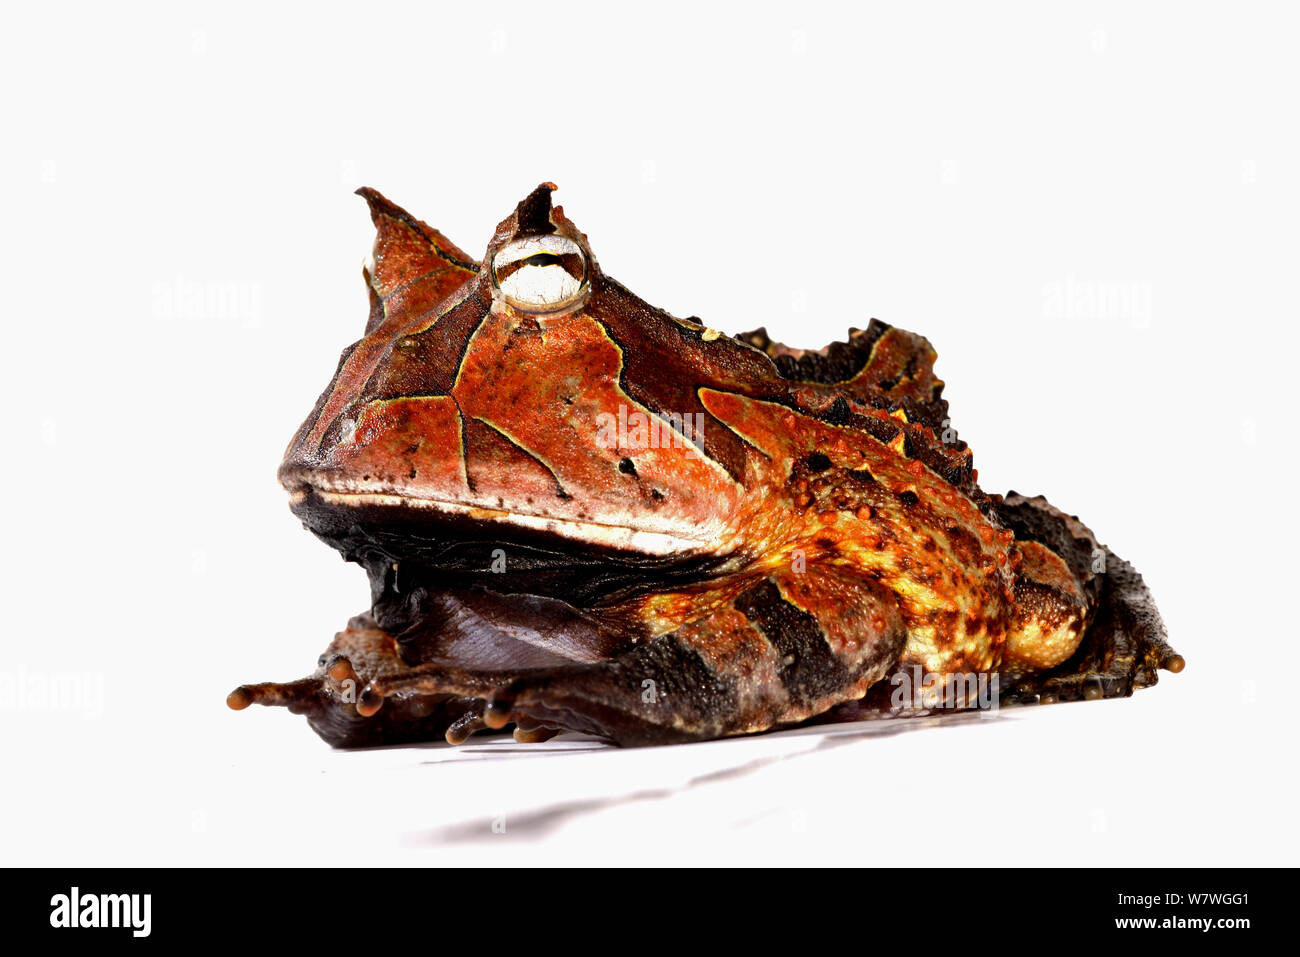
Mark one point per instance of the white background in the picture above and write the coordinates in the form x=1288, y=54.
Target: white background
x=1090, y=210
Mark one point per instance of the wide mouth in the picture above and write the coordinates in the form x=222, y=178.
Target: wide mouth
x=438, y=544
x=498, y=521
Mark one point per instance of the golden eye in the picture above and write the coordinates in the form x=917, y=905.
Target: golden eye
x=540, y=273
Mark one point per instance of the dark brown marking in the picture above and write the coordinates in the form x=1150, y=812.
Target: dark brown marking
x=811, y=670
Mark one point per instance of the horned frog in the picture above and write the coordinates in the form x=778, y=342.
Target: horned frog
x=578, y=512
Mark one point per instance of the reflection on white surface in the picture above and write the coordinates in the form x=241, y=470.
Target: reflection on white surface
x=1157, y=778
x=537, y=823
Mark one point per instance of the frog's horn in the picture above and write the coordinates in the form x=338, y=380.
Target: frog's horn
x=416, y=238
x=410, y=256
x=533, y=214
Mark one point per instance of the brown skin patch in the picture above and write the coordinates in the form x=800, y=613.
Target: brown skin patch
x=415, y=269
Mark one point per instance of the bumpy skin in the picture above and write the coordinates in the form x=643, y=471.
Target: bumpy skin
x=579, y=512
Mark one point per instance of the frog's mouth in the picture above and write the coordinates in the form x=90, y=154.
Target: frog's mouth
x=618, y=537
x=406, y=544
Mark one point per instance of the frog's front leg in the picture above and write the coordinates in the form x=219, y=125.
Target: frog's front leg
x=776, y=650
x=330, y=697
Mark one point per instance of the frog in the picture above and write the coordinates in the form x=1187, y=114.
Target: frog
x=580, y=513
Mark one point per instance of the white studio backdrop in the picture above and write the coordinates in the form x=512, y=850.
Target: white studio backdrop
x=1090, y=210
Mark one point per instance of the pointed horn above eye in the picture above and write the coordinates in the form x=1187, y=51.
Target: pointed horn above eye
x=533, y=214
x=413, y=266
x=396, y=224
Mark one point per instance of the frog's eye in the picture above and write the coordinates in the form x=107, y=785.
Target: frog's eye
x=540, y=273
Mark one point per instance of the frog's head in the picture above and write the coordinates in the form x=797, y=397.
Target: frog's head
x=529, y=402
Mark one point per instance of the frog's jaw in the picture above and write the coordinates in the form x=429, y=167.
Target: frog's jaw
x=504, y=523
x=439, y=545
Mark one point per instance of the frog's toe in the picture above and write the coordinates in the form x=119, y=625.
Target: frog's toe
x=534, y=735
x=526, y=730
x=339, y=669
x=460, y=730
x=287, y=694
x=511, y=704
x=501, y=707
